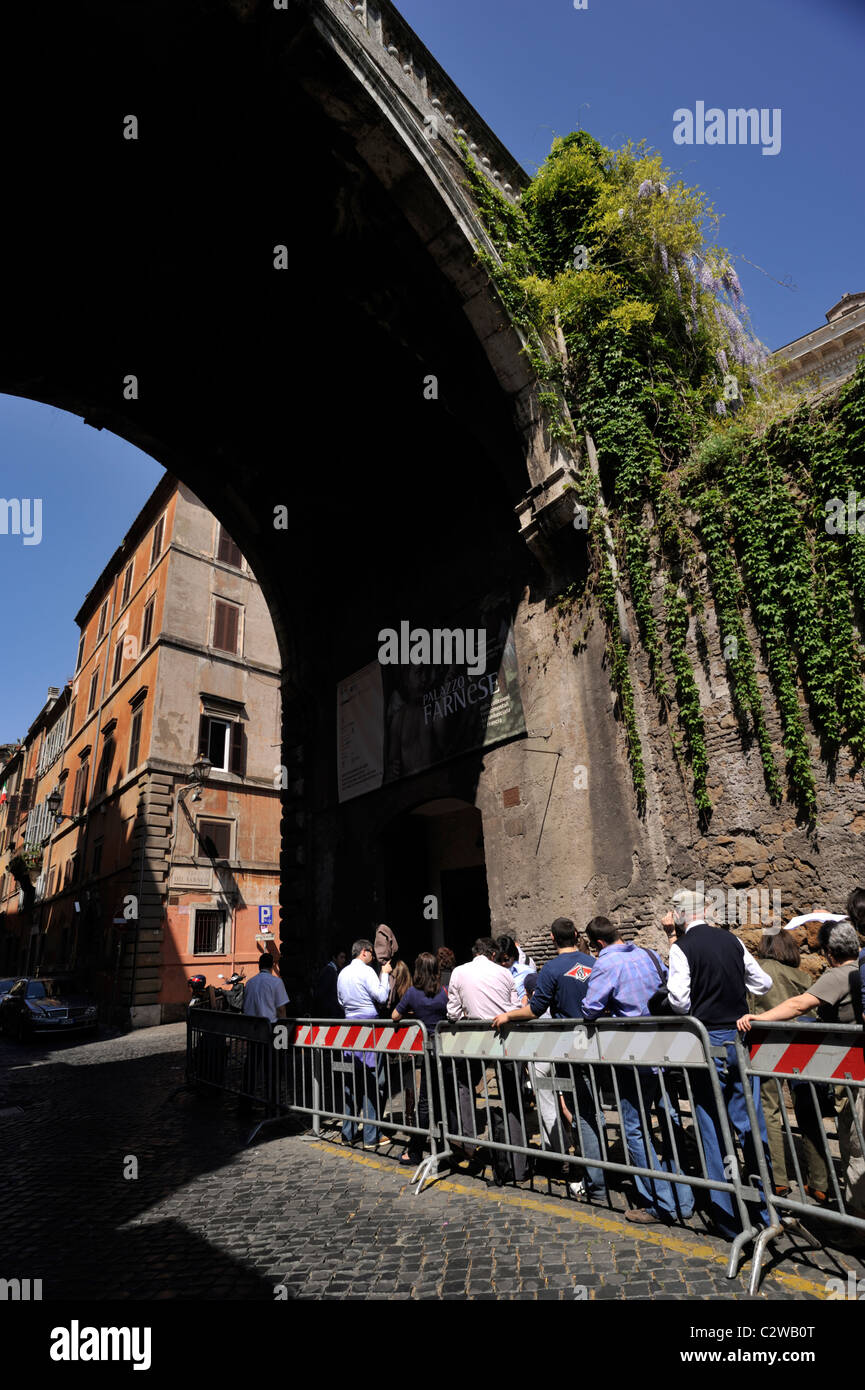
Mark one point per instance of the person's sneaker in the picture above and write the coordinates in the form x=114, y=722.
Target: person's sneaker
x=641, y=1216
x=578, y=1190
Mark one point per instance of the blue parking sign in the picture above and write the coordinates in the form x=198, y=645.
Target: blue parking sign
x=265, y=916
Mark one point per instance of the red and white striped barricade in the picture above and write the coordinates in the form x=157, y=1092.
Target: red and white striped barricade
x=372, y=1074
x=824, y=1066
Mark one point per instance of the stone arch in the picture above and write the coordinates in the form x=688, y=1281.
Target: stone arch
x=258, y=387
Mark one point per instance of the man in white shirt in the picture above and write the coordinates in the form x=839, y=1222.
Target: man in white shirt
x=710, y=974
x=483, y=989
x=360, y=991
x=265, y=995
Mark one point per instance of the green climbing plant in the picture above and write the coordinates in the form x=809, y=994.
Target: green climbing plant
x=717, y=481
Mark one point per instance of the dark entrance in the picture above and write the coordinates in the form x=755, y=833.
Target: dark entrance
x=434, y=880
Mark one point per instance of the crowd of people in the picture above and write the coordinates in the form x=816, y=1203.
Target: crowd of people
x=710, y=976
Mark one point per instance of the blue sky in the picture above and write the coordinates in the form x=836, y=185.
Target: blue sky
x=619, y=69
x=92, y=485
x=533, y=70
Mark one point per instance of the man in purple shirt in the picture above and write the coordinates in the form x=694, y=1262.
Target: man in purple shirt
x=623, y=980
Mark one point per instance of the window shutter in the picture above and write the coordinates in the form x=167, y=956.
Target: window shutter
x=227, y=551
x=203, y=736
x=225, y=626
x=231, y=627
x=26, y=794
x=238, y=741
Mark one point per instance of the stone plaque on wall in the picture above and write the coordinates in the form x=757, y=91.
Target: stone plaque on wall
x=185, y=876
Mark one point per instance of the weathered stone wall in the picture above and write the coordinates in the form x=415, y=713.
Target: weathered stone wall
x=750, y=844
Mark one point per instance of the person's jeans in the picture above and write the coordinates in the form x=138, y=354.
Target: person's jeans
x=675, y=1200
x=733, y=1096
x=586, y=1141
x=366, y=1087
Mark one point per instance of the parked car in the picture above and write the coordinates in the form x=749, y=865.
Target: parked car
x=50, y=1005
x=6, y=987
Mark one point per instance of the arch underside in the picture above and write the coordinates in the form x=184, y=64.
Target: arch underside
x=261, y=388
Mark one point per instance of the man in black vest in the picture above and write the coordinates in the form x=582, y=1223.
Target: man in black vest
x=710, y=974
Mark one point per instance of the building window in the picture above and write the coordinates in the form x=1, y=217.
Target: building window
x=156, y=547
x=80, y=656
x=147, y=625
x=103, y=613
x=97, y=858
x=215, y=838
x=71, y=720
x=227, y=551
x=79, y=790
x=118, y=661
x=226, y=626
x=209, y=932
x=222, y=742
x=94, y=681
x=105, y=767
x=127, y=583
x=135, y=740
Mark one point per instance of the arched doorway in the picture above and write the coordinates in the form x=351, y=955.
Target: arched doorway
x=433, y=879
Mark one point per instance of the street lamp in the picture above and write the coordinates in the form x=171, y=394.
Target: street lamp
x=54, y=802
x=201, y=769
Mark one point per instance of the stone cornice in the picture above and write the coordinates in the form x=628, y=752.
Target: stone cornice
x=424, y=85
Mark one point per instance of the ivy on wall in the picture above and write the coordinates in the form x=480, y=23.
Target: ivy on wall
x=715, y=478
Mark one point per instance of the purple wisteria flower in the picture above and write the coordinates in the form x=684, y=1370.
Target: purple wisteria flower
x=720, y=408
x=663, y=251
x=721, y=359
x=707, y=279
x=677, y=284
x=730, y=281
x=646, y=189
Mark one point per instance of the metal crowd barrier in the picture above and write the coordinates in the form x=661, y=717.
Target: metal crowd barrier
x=622, y=1080
x=637, y=1097
x=235, y=1053
x=823, y=1065
x=354, y=1074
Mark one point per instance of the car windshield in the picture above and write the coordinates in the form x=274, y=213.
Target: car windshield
x=36, y=990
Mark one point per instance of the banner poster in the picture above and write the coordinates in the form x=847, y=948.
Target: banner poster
x=399, y=716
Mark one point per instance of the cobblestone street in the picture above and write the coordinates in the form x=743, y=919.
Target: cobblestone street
x=293, y=1216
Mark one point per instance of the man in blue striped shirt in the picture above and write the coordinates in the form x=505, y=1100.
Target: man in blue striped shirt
x=623, y=980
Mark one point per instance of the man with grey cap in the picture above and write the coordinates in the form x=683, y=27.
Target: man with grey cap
x=710, y=973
